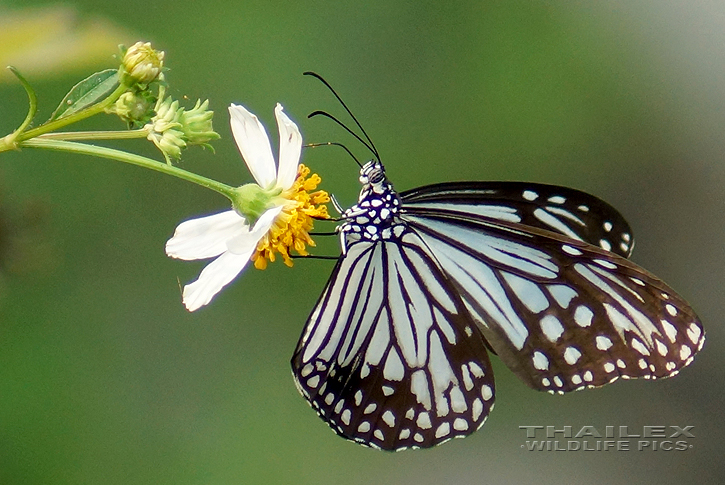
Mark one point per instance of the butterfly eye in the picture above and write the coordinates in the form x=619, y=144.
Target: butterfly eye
x=376, y=176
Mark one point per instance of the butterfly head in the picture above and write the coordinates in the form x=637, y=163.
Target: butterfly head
x=372, y=177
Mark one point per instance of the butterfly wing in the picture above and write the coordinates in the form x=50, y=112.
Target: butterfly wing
x=569, y=212
x=389, y=357
x=562, y=314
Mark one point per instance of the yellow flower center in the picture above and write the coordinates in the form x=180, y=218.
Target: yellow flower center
x=290, y=229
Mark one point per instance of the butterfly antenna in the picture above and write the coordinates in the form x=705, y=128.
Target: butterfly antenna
x=370, y=145
x=341, y=124
x=313, y=145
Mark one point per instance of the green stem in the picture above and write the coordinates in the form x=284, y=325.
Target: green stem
x=95, y=135
x=110, y=153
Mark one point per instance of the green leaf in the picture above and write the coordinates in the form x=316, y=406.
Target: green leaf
x=86, y=93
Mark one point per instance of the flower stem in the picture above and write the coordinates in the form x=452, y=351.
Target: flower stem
x=95, y=135
x=110, y=153
x=80, y=115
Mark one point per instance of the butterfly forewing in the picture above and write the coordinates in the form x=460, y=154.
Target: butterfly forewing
x=569, y=212
x=389, y=357
x=562, y=314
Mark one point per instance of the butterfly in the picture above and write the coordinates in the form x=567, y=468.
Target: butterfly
x=395, y=353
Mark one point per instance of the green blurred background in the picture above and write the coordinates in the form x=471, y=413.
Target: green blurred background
x=106, y=379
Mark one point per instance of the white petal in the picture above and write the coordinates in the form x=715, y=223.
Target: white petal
x=290, y=146
x=205, y=237
x=243, y=243
x=213, y=278
x=253, y=144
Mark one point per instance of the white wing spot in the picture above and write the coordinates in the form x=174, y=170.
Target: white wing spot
x=477, y=409
x=685, y=352
x=379, y=434
x=345, y=417
x=389, y=418
x=558, y=381
x=358, y=398
x=571, y=355
x=476, y=369
x=460, y=424
x=370, y=408
x=313, y=381
x=364, y=427
x=562, y=294
x=557, y=199
x=540, y=361
x=410, y=414
x=694, y=333
x=423, y=421
x=393, y=370
x=588, y=376
x=546, y=382
x=661, y=348
x=624, y=246
x=604, y=244
x=458, y=402
x=468, y=330
x=607, y=226
x=418, y=437
x=605, y=264
x=404, y=434
x=486, y=392
x=670, y=330
x=576, y=379
x=467, y=381
x=329, y=398
x=626, y=237
x=387, y=390
x=609, y=367
x=671, y=309
x=639, y=347
x=603, y=342
x=571, y=250
x=642, y=363
x=443, y=430
x=637, y=281
x=339, y=405
x=530, y=195
x=583, y=316
x=552, y=328
x=583, y=208
x=306, y=370
x=621, y=364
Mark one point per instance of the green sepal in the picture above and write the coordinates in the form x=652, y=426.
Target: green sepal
x=251, y=201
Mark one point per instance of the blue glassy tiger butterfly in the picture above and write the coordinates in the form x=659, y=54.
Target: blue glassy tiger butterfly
x=394, y=354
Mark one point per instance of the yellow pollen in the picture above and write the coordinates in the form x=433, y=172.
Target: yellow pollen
x=290, y=229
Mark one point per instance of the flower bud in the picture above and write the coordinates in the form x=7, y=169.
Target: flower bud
x=165, y=129
x=141, y=64
x=134, y=108
x=196, y=124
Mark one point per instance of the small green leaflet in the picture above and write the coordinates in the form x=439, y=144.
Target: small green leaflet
x=88, y=92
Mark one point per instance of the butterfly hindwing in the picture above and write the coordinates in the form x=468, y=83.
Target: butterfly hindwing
x=562, y=314
x=389, y=358
x=566, y=211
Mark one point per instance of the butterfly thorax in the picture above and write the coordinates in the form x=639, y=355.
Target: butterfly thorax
x=375, y=216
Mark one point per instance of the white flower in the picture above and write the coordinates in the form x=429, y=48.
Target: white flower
x=278, y=206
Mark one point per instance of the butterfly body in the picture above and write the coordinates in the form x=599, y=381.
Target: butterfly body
x=394, y=355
